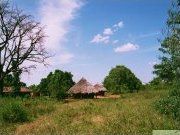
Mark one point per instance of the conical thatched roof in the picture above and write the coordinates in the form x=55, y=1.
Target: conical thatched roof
x=83, y=86
x=99, y=87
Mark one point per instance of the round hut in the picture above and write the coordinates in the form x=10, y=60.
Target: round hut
x=82, y=89
x=100, y=89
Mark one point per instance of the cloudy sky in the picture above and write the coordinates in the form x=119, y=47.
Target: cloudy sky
x=89, y=37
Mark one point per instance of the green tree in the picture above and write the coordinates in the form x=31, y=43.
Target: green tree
x=9, y=81
x=56, y=84
x=121, y=79
x=169, y=68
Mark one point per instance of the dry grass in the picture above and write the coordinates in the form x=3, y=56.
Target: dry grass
x=128, y=114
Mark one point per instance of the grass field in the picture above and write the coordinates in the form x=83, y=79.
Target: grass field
x=130, y=113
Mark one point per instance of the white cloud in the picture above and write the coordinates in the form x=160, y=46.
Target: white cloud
x=115, y=41
x=56, y=15
x=108, y=31
x=100, y=39
x=126, y=48
x=119, y=25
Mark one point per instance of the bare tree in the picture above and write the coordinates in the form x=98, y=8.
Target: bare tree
x=21, y=40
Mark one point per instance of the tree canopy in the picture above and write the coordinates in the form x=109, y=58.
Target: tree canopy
x=121, y=79
x=9, y=81
x=169, y=67
x=56, y=84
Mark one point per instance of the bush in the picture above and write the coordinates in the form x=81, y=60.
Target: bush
x=170, y=105
x=15, y=112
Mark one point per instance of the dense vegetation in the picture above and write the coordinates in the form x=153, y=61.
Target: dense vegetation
x=121, y=80
x=56, y=84
x=168, y=71
x=131, y=113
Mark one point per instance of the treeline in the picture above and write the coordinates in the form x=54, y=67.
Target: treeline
x=57, y=83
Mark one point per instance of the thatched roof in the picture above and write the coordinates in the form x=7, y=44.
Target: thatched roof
x=83, y=86
x=100, y=87
x=22, y=90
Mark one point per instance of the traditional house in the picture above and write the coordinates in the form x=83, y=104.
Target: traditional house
x=83, y=89
x=23, y=91
x=100, y=89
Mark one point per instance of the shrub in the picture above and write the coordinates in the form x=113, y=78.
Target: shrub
x=15, y=112
x=170, y=105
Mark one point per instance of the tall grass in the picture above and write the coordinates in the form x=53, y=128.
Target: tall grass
x=14, y=111
x=129, y=114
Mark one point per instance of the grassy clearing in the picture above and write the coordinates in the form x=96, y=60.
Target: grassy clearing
x=131, y=113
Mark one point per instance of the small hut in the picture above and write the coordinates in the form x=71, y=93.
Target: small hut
x=82, y=89
x=100, y=89
x=23, y=91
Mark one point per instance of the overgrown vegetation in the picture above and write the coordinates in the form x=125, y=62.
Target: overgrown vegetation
x=122, y=80
x=168, y=71
x=170, y=105
x=15, y=112
x=131, y=113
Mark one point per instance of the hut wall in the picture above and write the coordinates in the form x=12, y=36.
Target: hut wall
x=101, y=93
x=85, y=95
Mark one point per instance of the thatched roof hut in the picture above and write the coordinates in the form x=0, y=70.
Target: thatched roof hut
x=83, y=86
x=22, y=90
x=99, y=87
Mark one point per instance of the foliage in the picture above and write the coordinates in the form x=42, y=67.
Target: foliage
x=158, y=84
x=132, y=114
x=121, y=80
x=56, y=84
x=34, y=88
x=169, y=68
x=169, y=106
x=15, y=112
x=9, y=79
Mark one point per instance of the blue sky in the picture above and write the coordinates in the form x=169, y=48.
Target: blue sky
x=89, y=37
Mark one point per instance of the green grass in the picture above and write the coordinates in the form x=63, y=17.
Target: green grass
x=131, y=113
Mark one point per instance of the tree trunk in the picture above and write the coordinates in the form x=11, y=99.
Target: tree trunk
x=1, y=87
x=1, y=81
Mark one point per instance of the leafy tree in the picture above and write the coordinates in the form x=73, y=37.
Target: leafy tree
x=9, y=81
x=56, y=84
x=121, y=79
x=169, y=68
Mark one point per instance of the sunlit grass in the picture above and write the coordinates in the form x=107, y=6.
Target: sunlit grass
x=131, y=113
